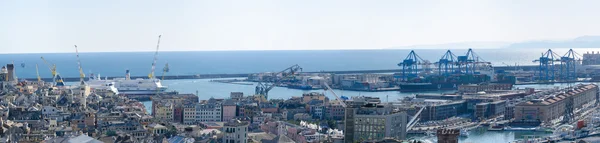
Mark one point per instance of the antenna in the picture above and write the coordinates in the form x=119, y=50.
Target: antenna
x=151, y=75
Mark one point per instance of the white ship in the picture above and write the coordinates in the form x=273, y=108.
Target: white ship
x=139, y=86
x=127, y=86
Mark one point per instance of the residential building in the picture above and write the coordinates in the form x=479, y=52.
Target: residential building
x=229, y=109
x=209, y=111
x=235, y=131
x=236, y=96
x=164, y=111
x=307, y=97
x=334, y=110
x=189, y=113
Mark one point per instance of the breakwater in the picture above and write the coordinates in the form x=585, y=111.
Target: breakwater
x=209, y=76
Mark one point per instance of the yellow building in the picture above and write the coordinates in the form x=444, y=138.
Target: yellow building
x=164, y=111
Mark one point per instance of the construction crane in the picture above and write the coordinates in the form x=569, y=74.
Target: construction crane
x=151, y=75
x=336, y=96
x=37, y=72
x=81, y=74
x=415, y=119
x=263, y=88
x=409, y=126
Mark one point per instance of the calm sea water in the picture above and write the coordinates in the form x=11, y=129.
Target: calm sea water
x=210, y=62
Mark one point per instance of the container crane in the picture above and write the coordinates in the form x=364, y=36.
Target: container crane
x=410, y=66
x=567, y=66
x=151, y=75
x=469, y=62
x=446, y=63
x=81, y=74
x=264, y=88
x=547, y=66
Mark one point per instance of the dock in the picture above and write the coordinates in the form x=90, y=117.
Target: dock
x=232, y=81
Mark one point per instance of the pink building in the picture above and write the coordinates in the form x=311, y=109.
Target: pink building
x=229, y=110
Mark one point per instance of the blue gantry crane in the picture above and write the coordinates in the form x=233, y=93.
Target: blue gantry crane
x=446, y=64
x=567, y=65
x=547, y=67
x=411, y=65
x=469, y=62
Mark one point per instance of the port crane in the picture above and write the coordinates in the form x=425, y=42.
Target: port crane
x=411, y=66
x=55, y=76
x=81, y=74
x=263, y=88
x=37, y=72
x=567, y=65
x=446, y=63
x=165, y=70
x=151, y=75
x=547, y=66
x=470, y=61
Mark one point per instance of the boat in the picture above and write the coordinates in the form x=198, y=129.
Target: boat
x=496, y=127
x=300, y=86
x=433, y=83
x=464, y=133
x=127, y=86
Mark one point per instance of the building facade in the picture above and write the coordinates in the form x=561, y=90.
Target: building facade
x=551, y=108
x=235, y=131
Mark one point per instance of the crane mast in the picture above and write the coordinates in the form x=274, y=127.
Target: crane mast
x=151, y=75
x=165, y=70
x=81, y=74
x=37, y=72
x=52, y=68
x=264, y=88
x=336, y=96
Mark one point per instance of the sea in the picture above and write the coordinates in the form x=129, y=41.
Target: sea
x=229, y=62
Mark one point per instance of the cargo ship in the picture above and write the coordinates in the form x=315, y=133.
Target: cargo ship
x=433, y=83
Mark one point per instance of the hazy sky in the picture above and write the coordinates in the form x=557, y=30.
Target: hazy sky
x=28, y=26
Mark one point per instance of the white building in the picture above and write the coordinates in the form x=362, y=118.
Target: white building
x=235, y=131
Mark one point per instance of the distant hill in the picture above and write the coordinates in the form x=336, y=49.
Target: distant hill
x=462, y=45
x=579, y=42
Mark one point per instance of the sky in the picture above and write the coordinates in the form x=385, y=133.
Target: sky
x=42, y=26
